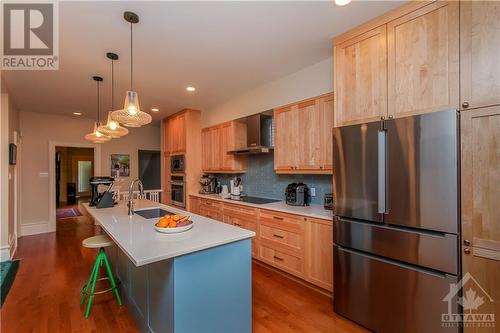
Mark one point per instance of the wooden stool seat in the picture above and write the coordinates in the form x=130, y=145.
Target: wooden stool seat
x=96, y=242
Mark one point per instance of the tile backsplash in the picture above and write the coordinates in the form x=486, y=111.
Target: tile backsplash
x=261, y=180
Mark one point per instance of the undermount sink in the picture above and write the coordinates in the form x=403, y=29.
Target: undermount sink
x=153, y=213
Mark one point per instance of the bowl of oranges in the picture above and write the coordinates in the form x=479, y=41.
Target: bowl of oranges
x=171, y=224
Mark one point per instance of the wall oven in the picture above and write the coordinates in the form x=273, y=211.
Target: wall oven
x=177, y=191
x=177, y=163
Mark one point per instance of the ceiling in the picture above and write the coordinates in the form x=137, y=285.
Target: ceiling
x=221, y=48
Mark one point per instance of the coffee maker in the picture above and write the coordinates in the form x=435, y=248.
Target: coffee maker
x=101, y=199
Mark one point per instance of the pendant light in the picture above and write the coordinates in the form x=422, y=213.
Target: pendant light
x=96, y=136
x=131, y=115
x=112, y=128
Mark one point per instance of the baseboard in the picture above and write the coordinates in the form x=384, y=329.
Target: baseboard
x=34, y=228
x=12, y=245
x=4, y=253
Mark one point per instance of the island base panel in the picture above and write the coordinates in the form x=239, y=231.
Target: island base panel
x=205, y=291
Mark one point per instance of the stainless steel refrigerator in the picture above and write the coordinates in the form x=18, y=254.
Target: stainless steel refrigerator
x=396, y=192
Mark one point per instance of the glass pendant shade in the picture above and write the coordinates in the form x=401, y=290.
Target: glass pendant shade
x=131, y=115
x=112, y=128
x=96, y=136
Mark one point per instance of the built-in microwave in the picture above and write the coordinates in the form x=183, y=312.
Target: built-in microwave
x=176, y=163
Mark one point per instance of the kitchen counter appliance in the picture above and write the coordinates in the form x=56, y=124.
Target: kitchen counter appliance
x=101, y=199
x=396, y=229
x=207, y=184
x=297, y=194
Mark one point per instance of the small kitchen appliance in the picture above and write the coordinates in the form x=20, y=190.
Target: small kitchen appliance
x=297, y=194
x=101, y=199
x=235, y=184
x=328, y=201
x=177, y=164
x=207, y=184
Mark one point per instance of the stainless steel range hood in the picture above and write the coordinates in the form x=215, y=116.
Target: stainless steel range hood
x=260, y=135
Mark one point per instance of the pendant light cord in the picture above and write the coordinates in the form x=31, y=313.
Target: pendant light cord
x=131, y=60
x=112, y=84
x=98, y=102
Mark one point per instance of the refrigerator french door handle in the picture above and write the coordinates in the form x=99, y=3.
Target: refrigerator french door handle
x=382, y=171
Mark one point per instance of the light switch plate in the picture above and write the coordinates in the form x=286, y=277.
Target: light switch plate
x=313, y=191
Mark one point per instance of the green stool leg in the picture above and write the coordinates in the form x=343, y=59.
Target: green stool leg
x=94, y=280
x=89, y=282
x=111, y=278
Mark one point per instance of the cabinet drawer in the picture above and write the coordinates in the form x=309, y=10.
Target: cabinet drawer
x=210, y=213
x=282, y=220
x=241, y=211
x=211, y=203
x=282, y=259
x=283, y=238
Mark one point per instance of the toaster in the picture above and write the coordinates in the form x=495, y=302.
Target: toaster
x=297, y=194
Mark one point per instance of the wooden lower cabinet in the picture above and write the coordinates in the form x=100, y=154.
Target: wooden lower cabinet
x=484, y=268
x=319, y=253
x=288, y=261
x=301, y=246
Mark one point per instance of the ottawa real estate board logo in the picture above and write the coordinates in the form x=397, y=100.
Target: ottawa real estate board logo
x=478, y=306
x=30, y=35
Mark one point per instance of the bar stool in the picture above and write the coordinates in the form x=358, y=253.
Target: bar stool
x=94, y=242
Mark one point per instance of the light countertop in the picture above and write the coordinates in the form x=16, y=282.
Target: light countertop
x=137, y=237
x=313, y=210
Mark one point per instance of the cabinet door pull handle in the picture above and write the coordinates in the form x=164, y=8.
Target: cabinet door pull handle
x=391, y=116
x=278, y=258
x=466, y=242
x=465, y=105
x=467, y=251
x=278, y=236
x=237, y=224
x=278, y=218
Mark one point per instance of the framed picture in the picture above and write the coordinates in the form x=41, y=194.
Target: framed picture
x=12, y=154
x=120, y=165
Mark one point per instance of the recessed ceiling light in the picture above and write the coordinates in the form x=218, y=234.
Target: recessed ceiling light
x=77, y=113
x=191, y=89
x=155, y=109
x=342, y=2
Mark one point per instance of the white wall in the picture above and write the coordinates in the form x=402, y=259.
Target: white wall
x=9, y=124
x=39, y=128
x=310, y=81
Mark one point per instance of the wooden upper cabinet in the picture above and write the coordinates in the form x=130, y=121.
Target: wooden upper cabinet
x=480, y=135
x=303, y=136
x=479, y=53
x=326, y=113
x=206, y=149
x=286, y=133
x=423, y=60
x=217, y=142
x=361, y=78
x=175, y=134
x=308, y=136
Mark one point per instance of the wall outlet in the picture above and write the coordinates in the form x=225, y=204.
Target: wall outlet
x=313, y=191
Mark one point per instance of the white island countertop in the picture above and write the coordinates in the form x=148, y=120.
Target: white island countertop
x=137, y=237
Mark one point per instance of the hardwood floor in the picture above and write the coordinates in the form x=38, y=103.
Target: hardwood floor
x=46, y=292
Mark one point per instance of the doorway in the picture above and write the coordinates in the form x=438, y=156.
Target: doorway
x=74, y=167
x=150, y=169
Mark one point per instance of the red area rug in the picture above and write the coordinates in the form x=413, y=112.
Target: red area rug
x=64, y=213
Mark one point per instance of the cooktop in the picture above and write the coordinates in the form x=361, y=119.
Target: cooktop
x=255, y=200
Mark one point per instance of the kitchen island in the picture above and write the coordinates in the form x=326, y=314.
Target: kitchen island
x=195, y=281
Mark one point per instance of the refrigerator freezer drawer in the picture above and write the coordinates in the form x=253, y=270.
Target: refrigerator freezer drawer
x=387, y=297
x=437, y=251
